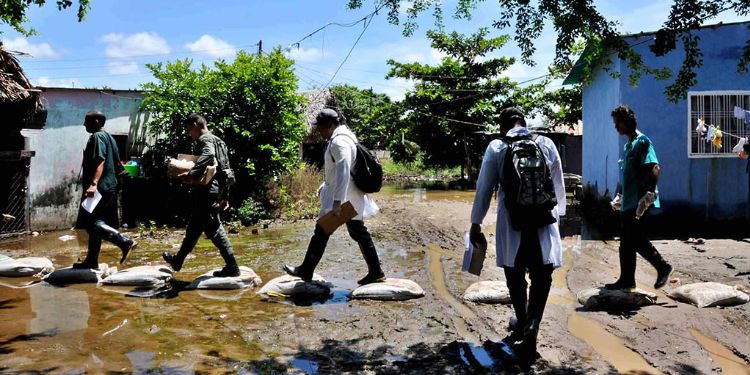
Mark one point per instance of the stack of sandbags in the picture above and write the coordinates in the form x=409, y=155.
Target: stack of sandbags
x=71, y=275
x=487, y=292
x=23, y=267
x=389, y=290
x=143, y=276
x=710, y=294
x=291, y=286
x=615, y=299
x=247, y=279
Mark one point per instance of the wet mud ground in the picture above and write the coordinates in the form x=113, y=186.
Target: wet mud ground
x=96, y=329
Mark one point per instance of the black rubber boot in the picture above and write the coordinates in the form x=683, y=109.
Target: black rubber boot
x=228, y=271
x=92, y=255
x=174, y=261
x=314, y=254
x=112, y=235
x=662, y=276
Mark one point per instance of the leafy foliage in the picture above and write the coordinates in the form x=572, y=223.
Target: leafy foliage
x=367, y=113
x=580, y=20
x=13, y=12
x=251, y=212
x=459, y=97
x=251, y=103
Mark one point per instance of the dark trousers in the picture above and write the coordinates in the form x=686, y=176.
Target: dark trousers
x=357, y=231
x=100, y=225
x=634, y=239
x=206, y=218
x=529, y=258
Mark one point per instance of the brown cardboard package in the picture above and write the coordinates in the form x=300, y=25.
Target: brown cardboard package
x=329, y=222
x=184, y=163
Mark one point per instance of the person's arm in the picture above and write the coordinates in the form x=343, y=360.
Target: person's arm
x=486, y=184
x=342, y=156
x=205, y=159
x=99, y=154
x=557, y=178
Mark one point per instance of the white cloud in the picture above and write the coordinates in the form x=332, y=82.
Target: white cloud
x=521, y=72
x=122, y=68
x=21, y=44
x=395, y=88
x=57, y=82
x=141, y=44
x=213, y=47
x=306, y=55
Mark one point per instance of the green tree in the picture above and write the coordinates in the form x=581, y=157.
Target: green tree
x=251, y=103
x=13, y=12
x=368, y=114
x=461, y=96
x=576, y=20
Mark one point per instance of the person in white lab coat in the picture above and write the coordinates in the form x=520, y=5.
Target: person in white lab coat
x=338, y=188
x=536, y=249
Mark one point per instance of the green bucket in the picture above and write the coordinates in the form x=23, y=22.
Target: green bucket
x=132, y=169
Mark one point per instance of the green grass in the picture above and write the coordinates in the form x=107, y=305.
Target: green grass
x=391, y=168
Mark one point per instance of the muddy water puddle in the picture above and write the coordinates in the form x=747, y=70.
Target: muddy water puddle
x=75, y=328
x=729, y=362
x=421, y=194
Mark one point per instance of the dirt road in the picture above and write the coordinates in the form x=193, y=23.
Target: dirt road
x=419, y=236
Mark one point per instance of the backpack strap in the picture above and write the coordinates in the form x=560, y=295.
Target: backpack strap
x=330, y=141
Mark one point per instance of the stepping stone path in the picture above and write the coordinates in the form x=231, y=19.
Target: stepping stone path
x=247, y=279
x=71, y=275
x=290, y=286
x=605, y=299
x=487, y=292
x=389, y=290
x=144, y=276
x=24, y=267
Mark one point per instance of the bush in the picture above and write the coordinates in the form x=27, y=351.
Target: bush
x=295, y=194
x=251, y=212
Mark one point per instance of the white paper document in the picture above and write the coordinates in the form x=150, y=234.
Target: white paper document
x=89, y=204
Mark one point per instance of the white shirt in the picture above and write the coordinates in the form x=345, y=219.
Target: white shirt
x=340, y=155
x=507, y=239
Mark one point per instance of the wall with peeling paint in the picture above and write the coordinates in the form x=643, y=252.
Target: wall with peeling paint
x=54, y=186
x=715, y=188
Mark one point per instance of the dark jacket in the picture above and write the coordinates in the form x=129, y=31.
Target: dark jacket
x=207, y=145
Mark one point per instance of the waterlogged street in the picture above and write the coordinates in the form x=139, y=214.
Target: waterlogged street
x=94, y=329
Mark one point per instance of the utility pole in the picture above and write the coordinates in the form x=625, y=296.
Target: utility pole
x=260, y=47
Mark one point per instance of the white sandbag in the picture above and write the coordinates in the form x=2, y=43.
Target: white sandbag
x=288, y=286
x=710, y=294
x=4, y=257
x=26, y=267
x=71, y=275
x=389, y=290
x=617, y=299
x=488, y=292
x=247, y=279
x=222, y=295
x=140, y=276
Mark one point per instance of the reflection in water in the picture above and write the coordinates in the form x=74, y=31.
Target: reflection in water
x=60, y=309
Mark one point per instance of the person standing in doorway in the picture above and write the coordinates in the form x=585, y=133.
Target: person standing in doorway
x=99, y=174
x=639, y=173
x=528, y=235
x=208, y=200
x=338, y=188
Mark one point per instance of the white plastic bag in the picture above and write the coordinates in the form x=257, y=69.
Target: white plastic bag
x=247, y=279
x=152, y=276
x=488, y=292
x=389, y=290
x=288, y=286
x=710, y=294
x=23, y=267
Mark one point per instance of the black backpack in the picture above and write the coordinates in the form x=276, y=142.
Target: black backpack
x=527, y=183
x=222, y=158
x=367, y=172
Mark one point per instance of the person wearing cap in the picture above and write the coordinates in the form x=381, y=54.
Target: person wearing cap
x=639, y=172
x=538, y=251
x=99, y=174
x=338, y=188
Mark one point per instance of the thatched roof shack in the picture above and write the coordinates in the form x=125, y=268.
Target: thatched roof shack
x=316, y=100
x=20, y=103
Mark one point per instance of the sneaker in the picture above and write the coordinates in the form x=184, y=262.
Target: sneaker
x=295, y=271
x=662, y=276
x=130, y=245
x=172, y=261
x=228, y=271
x=370, y=278
x=619, y=285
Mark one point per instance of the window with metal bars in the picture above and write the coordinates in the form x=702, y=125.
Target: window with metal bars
x=716, y=108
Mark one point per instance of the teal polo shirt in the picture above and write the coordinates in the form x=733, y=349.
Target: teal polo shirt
x=633, y=177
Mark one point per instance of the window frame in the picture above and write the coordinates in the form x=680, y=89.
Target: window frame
x=691, y=125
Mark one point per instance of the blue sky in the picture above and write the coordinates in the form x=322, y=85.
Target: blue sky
x=118, y=37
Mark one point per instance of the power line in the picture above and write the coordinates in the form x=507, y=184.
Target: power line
x=367, y=20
